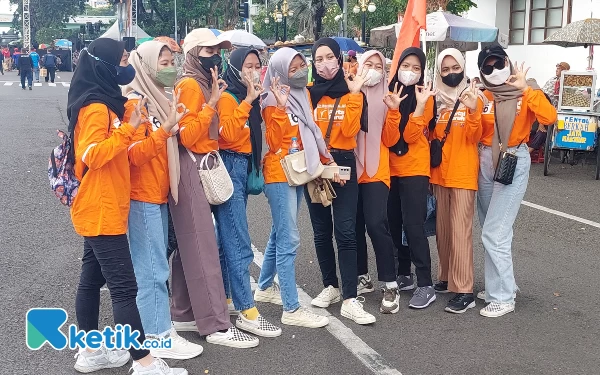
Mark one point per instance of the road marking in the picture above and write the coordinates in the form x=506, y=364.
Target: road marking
x=66, y=84
x=562, y=214
x=8, y=83
x=37, y=84
x=363, y=352
x=52, y=84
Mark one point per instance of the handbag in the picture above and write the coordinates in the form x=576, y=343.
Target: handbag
x=436, y=145
x=43, y=72
x=216, y=182
x=507, y=161
x=256, y=180
x=321, y=192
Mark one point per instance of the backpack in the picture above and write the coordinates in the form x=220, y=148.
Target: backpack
x=61, y=171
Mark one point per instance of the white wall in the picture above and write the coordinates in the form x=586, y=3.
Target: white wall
x=541, y=58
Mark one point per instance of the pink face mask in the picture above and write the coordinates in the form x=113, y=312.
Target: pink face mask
x=328, y=69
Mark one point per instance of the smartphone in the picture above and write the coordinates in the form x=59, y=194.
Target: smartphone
x=329, y=171
x=345, y=173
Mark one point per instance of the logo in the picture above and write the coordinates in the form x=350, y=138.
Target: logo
x=43, y=325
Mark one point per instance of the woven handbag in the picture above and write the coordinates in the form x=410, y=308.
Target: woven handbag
x=215, y=179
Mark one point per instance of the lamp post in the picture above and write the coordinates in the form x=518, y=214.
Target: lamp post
x=363, y=6
x=277, y=17
x=285, y=9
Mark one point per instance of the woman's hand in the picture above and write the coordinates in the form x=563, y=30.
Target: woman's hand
x=357, y=81
x=253, y=90
x=469, y=97
x=336, y=176
x=136, y=116
x=280, y=92
x=218, y=87
x=178, y=110
x=393, y=100
x=518, y=80
x=423, y=93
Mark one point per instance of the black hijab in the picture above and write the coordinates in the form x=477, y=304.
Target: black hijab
x=409, y=104
x=236, y=87
x=336, y=87
x=94, y=81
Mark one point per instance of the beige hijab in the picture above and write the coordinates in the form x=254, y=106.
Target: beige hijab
x=145, y=61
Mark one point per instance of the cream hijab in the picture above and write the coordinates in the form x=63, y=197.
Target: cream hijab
x=145, y=61
x=447, y=95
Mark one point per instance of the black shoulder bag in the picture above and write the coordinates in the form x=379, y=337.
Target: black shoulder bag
x=507, y=162
x=331, y=118
x=436, y=145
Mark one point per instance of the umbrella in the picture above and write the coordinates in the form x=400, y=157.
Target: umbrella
x=216, y=32
x=43, y=46
x=346, y=44
x=170, y=42
x=63, y=43
x=576, y=34
x=142, y=40
x=442, y=26
x=242, y=38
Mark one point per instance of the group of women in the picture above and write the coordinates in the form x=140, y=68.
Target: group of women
x=138, y=151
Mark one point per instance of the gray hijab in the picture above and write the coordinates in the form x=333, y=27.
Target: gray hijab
x=298, y=105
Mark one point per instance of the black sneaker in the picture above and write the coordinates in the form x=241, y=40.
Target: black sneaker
x=441, y=287
x=460, y=303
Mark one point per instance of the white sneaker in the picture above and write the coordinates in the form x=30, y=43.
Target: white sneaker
x=328, y=296
x=496, y=309
x=260, y=326
x=180, y=348
x=365, y=285
x=232, y=310
x=303, y=317
x=158, y=367
x=234, y=338
x=100, y=359
x=353, y=309
x=481, y=295
x=185, y=326
x=271, y=295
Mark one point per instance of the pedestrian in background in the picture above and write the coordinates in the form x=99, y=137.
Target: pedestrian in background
x=351, y=66
x=1, y=62
x=15, y=58
x=552, y=86
x=7, y=59
x=35, y=60
x=25, y=68
x=49, y=61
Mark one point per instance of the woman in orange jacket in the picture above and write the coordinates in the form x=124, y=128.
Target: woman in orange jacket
x=198, y=301
x=149, y=160
x=455, y=179
x=287, y=115
x=101, y=207
x=507, y=119
x=338, y=109
x=240, y=142
x=410, y=169
x=373, y=169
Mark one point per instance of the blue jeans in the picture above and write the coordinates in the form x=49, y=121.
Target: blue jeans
x=498, y=206
x=235, y=250
x=148, y=239
x=284, y=241
x=36, y=73
x=26, y=74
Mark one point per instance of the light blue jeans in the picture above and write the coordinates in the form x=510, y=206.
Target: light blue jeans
x=498, y=206
x=284, y=241
x=148, y=239
x=235, y=248
x=36, y=73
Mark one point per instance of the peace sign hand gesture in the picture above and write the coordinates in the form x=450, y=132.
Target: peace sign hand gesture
x=281, y=92
x=136, y=117
x=253, y=90
x=357, y=81
x=423, y=93
x=518, y=80
x=394, y=99
x=469, y=97
x=218, y=87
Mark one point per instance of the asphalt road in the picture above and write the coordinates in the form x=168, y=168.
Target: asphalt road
x=555, y=329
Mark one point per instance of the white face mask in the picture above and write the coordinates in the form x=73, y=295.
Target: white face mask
x=373, y=78
x=256, y=77
x=408, y=77
x=498, y=77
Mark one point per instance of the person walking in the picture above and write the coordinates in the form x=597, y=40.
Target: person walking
x=35, y=60
x=338, y=110
x=1, y=62
x=15, y=58
x=454, y=181
x=410, y=171
x=49, y=61
x=288, y=117
x=373, y=169
x=101, y=208
x=199, y=303
x=7, y=59
x=506, y=126
x=25, y=68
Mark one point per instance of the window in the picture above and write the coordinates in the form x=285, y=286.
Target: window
x=517, y=22
x=545, y=17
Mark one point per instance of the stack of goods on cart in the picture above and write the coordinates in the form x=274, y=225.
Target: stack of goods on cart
x=577, y=91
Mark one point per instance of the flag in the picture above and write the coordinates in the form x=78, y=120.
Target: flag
x=414, y=21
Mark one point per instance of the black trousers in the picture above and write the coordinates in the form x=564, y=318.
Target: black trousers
x=407, y=205
x=26, y=74
x=372, y=214
x=343, y=227
x=106, y=260
x=51, y=74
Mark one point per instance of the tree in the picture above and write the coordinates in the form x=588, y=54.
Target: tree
x=98, y=12
x=48, y=16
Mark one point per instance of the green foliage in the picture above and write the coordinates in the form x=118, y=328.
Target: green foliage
x=47, y=35
x=98, y=12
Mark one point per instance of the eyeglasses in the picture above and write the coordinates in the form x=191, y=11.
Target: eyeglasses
x=488, y=69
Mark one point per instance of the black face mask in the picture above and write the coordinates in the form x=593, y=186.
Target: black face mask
x=453, y=79
x=214, y=61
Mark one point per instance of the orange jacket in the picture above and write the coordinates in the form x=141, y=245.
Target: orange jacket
x=193, y=127
x=460, y=157
x=416, y=161
x=536, y=107
x=234, y=132
x=148, y=159
x=351, y=68
x=388, y=135
x=346, y=123
x=101, y=206
x=280, y=128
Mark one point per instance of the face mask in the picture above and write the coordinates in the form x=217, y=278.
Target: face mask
x=498, y=77
x=373, y=78
x=453, y=79
x=300, y=79
x=167, y=76
x=208, y=63
x=328, y=69
x=408, y=77
x=256, y=77
x=125, y=74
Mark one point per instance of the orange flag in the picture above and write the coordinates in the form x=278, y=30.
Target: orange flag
x=414, y=21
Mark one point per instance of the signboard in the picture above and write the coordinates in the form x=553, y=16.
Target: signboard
x=461, y=46
x=577, y=132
